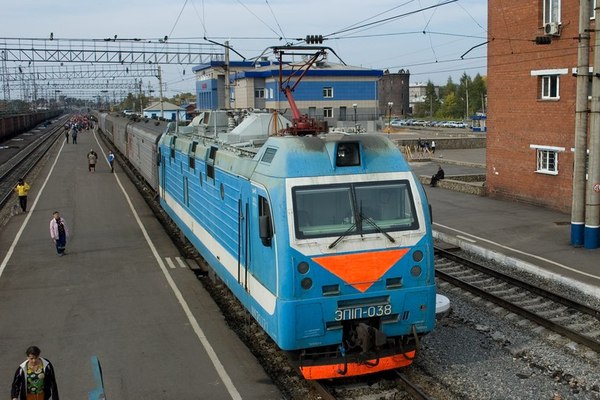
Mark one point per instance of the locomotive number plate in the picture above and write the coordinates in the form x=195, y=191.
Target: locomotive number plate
x=342, y=314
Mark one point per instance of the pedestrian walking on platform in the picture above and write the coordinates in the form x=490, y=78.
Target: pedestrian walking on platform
x=74, y=136
x=439, y=175
x=67, y=134
x=34, y=378
x=111, y=160
x=58, y=233
x=22, y=189
x=92, y=158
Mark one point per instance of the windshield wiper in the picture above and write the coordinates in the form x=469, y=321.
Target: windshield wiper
x=374, y=225
x=332, y=245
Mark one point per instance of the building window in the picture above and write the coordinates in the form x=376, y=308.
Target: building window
x=259, y=93
x=547, y=161
x=328, y=92
x=550, y=87
x=551, y=11
x=328, y=112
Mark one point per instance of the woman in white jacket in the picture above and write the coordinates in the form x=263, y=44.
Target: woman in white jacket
x=58, y=233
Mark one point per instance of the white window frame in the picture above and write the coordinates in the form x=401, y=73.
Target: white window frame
x=328, y=92
x=259, y=93
x=545, y=76
x=546, y=87
x=593, y=10
x=546, y=159
x=551, y=12
x=327, y=112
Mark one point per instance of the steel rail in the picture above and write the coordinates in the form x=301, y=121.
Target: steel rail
x=545, y=322
x=24, y=161
x=414, y=390
x=524, y=285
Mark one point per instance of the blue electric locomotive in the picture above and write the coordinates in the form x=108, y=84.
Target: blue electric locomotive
x=325, y=239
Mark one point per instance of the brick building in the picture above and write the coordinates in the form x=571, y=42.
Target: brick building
x=394, y=87
x=531, y=95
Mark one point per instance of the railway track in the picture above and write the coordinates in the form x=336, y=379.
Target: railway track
x=385, y=385
x=24, y=161
x=571, y=319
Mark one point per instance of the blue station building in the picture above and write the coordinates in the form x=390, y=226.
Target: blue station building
x=329, y=92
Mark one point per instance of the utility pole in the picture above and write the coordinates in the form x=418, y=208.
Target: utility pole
x=591, y=237
x=226, y=68
x=141, y=101
x=467, y=97
x=162, y=110
x=581, y=126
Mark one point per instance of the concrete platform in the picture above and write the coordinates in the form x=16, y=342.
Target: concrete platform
x=121, y=293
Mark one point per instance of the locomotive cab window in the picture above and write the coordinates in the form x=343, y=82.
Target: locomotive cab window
x=354, y=208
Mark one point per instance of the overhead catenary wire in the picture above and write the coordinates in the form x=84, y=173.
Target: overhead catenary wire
x=276, y=21
x=258, y=18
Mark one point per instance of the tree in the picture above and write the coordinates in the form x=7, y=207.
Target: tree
x=454, y=98
x=183, y=98
x=431, y=104
x=479, y=93
x=450, y=107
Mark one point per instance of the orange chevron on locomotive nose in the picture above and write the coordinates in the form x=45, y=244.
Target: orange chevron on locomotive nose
x=361, y=270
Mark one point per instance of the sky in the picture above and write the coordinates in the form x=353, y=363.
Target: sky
x=427, y=37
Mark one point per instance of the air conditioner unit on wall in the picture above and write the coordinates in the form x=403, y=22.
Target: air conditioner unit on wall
x=552, y=28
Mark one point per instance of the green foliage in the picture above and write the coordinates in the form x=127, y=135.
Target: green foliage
x=452, y=100
x=431, y=105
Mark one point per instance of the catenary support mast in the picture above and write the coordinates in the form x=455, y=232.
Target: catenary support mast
x=581, y=126
x=592, y=206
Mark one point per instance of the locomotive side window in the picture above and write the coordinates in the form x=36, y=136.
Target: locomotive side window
x=264, y=221
x=173, y=146
x=210, y=167
x=192, y=156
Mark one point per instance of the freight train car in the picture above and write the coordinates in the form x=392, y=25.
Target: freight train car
x=325, y=239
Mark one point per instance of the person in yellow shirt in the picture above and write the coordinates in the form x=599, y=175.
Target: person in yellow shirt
x=22, y=188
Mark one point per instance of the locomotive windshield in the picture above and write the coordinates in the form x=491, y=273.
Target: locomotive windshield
x=353, y=208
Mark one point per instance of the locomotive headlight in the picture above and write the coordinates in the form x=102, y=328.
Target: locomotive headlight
x=418, y=255
x=347, y=155
x=303, y=267
x=416, y=271
x=306, y=283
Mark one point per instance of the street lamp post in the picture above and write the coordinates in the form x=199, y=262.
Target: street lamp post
x=390, y=105
x=355, y=126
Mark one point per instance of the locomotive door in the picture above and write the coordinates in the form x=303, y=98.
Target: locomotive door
x=261, y=240
x=243, y=254
x=243, y=229
x=163, y=175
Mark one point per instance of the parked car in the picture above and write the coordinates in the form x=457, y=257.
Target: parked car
x=399, y=122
